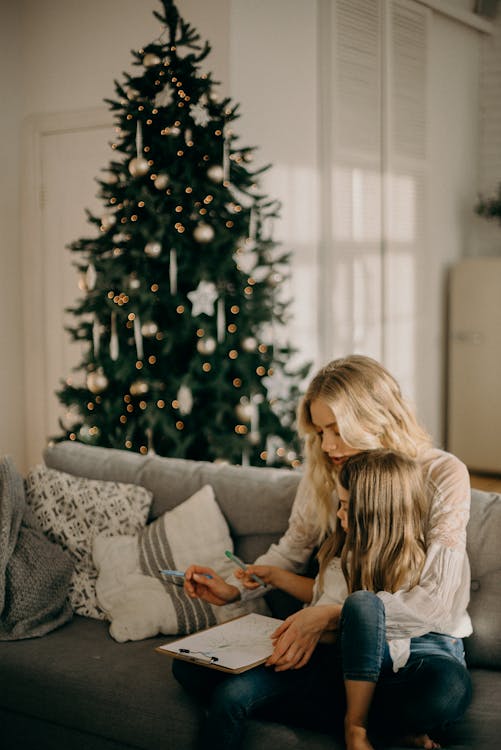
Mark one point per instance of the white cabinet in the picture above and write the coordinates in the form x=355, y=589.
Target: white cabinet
x=474, y=403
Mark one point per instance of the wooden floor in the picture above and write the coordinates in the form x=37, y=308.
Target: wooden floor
x=487, y=482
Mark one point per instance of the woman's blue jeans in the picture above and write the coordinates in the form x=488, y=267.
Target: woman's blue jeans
x=430, y=692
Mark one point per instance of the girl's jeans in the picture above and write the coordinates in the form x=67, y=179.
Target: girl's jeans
x=432, y=690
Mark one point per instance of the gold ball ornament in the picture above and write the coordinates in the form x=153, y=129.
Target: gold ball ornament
x=244, y=411
x=203, y=232
x=215, y=173
x=150, y=60
x=134, y=282
x=207, y=345
x=249, y=344
x=153, y=249
x=132, y=94
x=139, y=387
x=97, y=382
x=149, y=329
x=161, y=181
x=108, y=221
x=110, y=178
x=138, y=167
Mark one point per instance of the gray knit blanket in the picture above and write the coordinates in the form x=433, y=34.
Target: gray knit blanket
x=34, y=573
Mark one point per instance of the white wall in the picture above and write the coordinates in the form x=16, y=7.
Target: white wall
x=11, y=328
x=453, y=159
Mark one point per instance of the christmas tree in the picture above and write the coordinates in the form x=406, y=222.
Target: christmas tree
x=181, y=304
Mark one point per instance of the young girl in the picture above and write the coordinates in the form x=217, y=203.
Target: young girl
x=354, y=405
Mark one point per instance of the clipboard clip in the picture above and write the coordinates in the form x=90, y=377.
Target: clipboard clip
x=199, y=655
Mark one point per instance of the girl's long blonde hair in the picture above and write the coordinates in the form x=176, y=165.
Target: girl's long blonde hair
x=370, y=412
x=384, y=546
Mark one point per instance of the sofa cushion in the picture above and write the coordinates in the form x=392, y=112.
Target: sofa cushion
x=138, y=600
x=254, y=500
x=73, y=510
x=483, y=647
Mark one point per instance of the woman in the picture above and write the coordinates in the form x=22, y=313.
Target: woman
x=353, y=405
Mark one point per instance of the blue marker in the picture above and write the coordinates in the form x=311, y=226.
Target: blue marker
x=242, y=565
x=179, y=573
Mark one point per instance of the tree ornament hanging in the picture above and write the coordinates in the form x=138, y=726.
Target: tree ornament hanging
x=200, y=114
x=246, y=260
x=161, y=181
x=215, y=173
x=185, y=400
x=206, y=345
x=150, y=60
x=133, y=93
x=149, y=329
x=203, y=233
x=108, y=221
x=153, y=249
x=114, y=347
x=139, y=387
x=164, y=97
x=90, y=276
x=203, y=298
x=138, y=167
x=173, y=270
x=97, y=382
x=249, y=344
x=134, y=282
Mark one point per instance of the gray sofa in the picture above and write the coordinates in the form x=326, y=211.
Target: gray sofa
x=76, y=687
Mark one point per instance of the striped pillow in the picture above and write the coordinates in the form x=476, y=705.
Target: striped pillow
x=141, y=603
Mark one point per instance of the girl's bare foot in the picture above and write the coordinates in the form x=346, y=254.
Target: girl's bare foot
x=356, y=738
x=420, y=740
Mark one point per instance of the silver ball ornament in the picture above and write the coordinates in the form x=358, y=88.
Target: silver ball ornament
x=249, y=344
x=139, y=387
x=138, y=167
x=97, y=382
x=150, y=60
x=149, y=328
x=174, y=131
x=153, y=249
x=215, y=173
x=207, y=345
x=161, y=181
x=203, y=232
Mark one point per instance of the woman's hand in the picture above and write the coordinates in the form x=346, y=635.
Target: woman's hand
x=296, y=639
x=214, y=590
x=268, y=573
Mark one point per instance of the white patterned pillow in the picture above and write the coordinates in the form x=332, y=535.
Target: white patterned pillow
x=138, y=600
x=73, y=510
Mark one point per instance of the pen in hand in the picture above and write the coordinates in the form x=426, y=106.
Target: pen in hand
x=242, y=565
x=179, y=573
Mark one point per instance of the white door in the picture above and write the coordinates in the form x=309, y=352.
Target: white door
x=64, y=155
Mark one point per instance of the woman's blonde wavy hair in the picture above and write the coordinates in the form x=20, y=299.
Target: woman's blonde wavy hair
x=384, y=546
x=370, y=412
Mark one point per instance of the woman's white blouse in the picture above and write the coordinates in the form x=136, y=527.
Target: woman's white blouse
x=439, y=602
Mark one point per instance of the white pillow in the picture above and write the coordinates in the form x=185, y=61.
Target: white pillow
x=73, y=510
x=139, y=602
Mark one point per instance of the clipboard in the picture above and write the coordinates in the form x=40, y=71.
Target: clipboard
x=234, y=646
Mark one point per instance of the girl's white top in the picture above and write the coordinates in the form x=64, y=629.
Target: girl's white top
x=438, y=603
